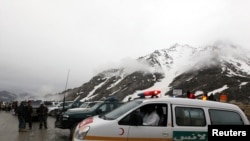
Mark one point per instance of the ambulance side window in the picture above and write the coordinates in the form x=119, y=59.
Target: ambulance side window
x=218, y=117
x=189, y=116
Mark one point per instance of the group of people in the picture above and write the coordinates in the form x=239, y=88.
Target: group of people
x=205, y=96
x=24, y=113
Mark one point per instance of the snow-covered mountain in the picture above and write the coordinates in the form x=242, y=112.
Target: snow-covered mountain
x=212, y=69
x=7, y=96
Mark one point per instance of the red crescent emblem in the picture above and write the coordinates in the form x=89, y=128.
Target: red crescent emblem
x=122, y=131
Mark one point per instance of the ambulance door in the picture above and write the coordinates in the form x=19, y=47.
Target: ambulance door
x=160, y=132
x=189, y=123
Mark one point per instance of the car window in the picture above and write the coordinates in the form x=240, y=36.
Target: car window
x=91, y=104
x=88, y=104
x=66, y=103
x=218, y=117
x=103, y=108
x=84, y=105
x=189, y=116
x=48, y=103
x=95, y=106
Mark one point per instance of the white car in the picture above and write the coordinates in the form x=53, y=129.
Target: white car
x=52, y=111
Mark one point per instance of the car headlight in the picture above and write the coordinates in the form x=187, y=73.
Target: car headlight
x=65, y=117
x=81, y=133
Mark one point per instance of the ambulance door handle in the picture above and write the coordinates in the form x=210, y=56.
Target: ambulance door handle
x=165, y=134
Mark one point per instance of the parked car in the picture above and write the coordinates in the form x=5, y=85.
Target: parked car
x=70, y=118
x=50, y=103
x=74, y=104
x=54, y=110
x=84, y=106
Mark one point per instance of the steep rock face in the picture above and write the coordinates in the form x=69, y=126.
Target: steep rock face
x=209, y=79
x=84, y=90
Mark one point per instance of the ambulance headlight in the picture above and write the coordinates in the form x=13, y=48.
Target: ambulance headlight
x=81, y=133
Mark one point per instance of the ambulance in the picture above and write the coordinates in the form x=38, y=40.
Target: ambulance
x=181, y=119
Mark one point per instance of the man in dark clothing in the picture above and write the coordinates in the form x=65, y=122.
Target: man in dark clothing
x=29, y=111
x=42, y=113
x=21, y=113
x=188, y=94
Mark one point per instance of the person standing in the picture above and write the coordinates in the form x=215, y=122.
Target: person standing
x=29, y=110
x=21, y=113
x=42, y=113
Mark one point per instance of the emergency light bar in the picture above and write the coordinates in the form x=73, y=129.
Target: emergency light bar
x=153, y=93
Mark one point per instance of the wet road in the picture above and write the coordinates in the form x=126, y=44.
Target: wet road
x=9, y=130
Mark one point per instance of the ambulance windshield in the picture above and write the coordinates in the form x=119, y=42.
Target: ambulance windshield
x=121, y=110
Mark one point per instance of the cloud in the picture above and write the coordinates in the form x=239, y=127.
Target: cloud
x=215, y=53
x=131, y=65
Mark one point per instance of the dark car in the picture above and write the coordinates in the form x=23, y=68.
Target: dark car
x=55, y=110
x=70, y=118
x=35, y=105
x=67, y=106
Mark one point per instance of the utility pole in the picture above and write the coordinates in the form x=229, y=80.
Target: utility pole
x=65, y=92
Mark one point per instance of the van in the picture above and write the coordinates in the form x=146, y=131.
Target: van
x=181, y=119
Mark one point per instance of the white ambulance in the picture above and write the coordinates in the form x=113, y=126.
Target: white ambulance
x=180, y=119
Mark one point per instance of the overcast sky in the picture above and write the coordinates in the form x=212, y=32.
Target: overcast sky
x=41, y=41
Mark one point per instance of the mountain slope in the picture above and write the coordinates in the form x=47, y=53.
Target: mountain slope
x=7, y=96
x=212, y=69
